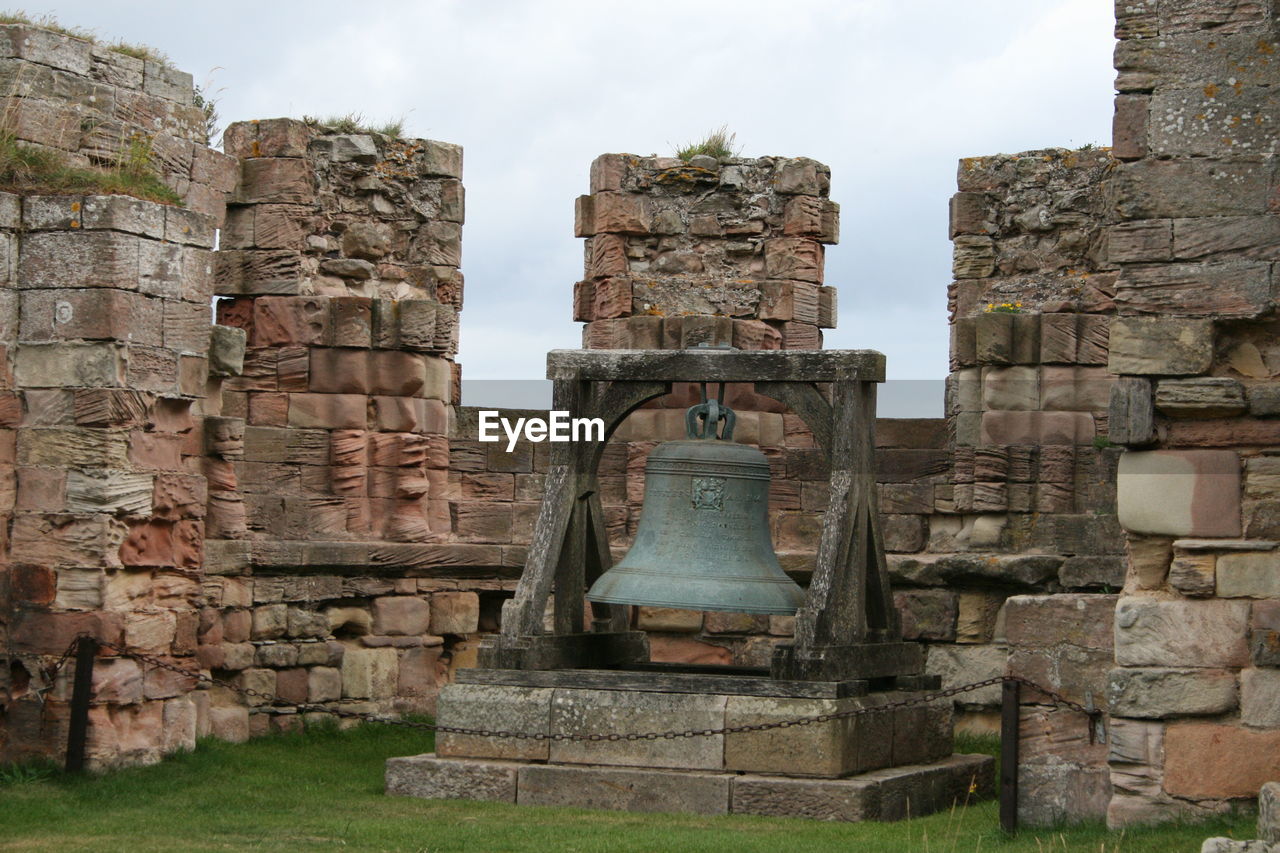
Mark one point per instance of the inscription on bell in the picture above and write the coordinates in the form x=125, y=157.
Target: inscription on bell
x=708, y=493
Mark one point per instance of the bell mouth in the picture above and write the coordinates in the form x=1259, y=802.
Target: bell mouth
x=765, y=596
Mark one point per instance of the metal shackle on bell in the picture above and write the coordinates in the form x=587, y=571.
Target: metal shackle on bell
x=703, y=539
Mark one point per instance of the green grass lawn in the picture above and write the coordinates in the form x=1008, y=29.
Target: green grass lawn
x=322, y=790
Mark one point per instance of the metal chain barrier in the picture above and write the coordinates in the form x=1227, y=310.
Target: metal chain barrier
x=1095, y=715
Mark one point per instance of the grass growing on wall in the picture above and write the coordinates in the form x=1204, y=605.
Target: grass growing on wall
x=718, y=143
x=356, y=123
x=322, y=790
x=27, y=169
x=49, y=22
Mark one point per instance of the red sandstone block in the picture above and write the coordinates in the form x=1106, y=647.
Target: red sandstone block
x=810, y=216
x=278, y=137
x=1213, y=761
x=186, y=326
x=10, y=409
x=796, y=335
x=293, y=369
x=340, y=371
x=607, y=256
x=611, y=212
x=608, y=172
x=789, y=300
x=41, y=489
x=284, y=180
x=155, y=451
x=173, y=415
x=226, y=518
x=284, y=320
x=51, y=633
x=611, y=298
x=193, y=375
x=31, y=585
x=793, y=258
x=188, y=544
x=399, y=414
x=268, y=409
x=66, y=540
x=328, y=411
x=397, y=374
x=236, y=312
x=755, y=335
x=148, y=544
x=179, y=496
x=351, y=321
x=584, y=294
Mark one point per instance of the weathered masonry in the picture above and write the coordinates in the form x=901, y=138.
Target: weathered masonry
x=297, y=500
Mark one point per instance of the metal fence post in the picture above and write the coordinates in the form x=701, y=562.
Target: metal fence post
x=81, y=690
x=1009, y=756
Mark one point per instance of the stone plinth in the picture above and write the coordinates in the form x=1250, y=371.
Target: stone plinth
x=831, y=749
x=881, y=765
x=889, y=794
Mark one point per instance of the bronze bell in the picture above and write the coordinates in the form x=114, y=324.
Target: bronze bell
x=703, y=540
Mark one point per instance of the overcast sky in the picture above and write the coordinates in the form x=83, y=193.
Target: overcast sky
x=890, y=94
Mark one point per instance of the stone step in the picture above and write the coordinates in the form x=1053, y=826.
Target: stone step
x=889, y=794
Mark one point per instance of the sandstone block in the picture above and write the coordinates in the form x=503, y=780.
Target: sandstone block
x=793, y=258
x=1179, y=492
x=581, y=711
x=1193, y=574
x=62, y=259
x=1249, y=575
x=1210, y=633
x=71, y=365
x=229, y=723
x=440, y=778
x=401, y=615
x=1260, y=697
x=849, y=800
x=1201, y=397
x=323, y=684
x=1015, y=388
x=270, y=622
x=1215, y=761
x=1187, y=187
x=497, y=708
x=959, y=665
x=1202, y=290
x=626, y=790
x=328, y=411
x=1158, y=693
x=1160, y=345
x=369, y=673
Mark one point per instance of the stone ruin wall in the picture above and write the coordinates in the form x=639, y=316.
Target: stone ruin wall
x=1195, y=693
x=359, y=540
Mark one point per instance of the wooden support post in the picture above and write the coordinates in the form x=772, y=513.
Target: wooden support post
x=1009, y=756
x=81, y=691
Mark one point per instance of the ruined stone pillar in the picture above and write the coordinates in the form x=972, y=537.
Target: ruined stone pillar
x=104, y=330
x=681, y=253
x=329, y=460
x=1196, y=688
x=107, y=336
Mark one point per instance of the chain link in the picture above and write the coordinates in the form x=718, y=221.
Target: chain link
x=274, y=701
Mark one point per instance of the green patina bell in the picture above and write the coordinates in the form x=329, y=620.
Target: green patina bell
x=703, y=540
